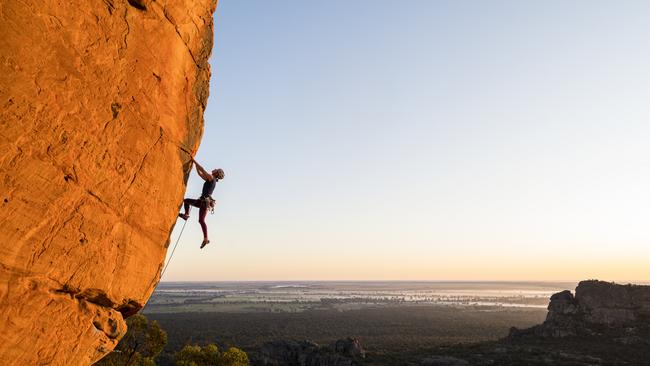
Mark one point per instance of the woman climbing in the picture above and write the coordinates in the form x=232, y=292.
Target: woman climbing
x=205, y=202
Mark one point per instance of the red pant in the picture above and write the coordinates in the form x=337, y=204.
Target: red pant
x=203, y=211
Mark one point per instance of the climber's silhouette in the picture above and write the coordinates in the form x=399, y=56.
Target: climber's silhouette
x=205, y=202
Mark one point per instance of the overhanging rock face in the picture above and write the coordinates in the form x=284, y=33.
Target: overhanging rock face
x=98, y=100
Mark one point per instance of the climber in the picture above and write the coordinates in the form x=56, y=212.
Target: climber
x=205, y=202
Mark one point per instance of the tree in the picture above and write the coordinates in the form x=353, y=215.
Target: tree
x=210, y=356
x=234, y=357
x=143, y=341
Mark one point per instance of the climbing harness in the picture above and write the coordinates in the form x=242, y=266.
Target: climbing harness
x=173, y=250
x=208, y=201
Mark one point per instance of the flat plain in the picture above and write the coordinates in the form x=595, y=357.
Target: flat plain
x=393, y=320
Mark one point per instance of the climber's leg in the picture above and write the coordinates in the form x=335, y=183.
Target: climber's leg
x=203, y=211
x=186, y=205
x=190, y=202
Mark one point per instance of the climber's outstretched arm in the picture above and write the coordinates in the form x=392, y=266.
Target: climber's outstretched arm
x=202, y=172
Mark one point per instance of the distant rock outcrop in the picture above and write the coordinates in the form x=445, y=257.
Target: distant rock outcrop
x=603, y=324
x=596, y=307
x=344, y=352
x=97, y=99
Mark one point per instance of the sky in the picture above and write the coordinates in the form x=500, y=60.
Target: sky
x=425, y=140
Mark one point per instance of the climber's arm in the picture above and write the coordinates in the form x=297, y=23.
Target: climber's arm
x=202, y=172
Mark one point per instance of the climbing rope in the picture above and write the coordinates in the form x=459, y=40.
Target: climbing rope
x=173, y=250
x=179, y=235
x=166, y=264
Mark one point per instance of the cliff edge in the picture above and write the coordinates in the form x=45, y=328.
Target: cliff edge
x=98, y=100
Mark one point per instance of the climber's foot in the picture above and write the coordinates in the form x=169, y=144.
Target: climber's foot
x=184, y=216
x=205, y=242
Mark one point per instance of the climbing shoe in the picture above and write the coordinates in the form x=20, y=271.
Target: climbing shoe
x=184, y=216
x=205, y=242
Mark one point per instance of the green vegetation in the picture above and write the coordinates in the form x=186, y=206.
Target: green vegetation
x=145, y=340
x=388, y=334
x=389, y=329
x=210, y=356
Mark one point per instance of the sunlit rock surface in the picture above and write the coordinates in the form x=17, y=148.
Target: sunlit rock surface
x=98, y=98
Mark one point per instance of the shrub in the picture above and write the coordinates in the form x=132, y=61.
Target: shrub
x=210, y=356
x=143, y=341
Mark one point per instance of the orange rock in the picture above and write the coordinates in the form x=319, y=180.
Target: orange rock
x=98, y=100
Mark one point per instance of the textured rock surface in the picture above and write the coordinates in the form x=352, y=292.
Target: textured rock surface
x=97, y=97
x=350, y=347
x=597, y=306
x=343, y=352
x=443, y=361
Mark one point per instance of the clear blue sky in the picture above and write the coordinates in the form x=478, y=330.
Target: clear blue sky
x=368, y=139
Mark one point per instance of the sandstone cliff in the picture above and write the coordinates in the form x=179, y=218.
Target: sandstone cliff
x=98, y=98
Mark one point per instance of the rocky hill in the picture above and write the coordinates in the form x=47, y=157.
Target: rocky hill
x=602, y=324
x=597, y=307
x=99, y=100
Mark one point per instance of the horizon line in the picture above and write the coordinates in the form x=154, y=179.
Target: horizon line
x=422, y=281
